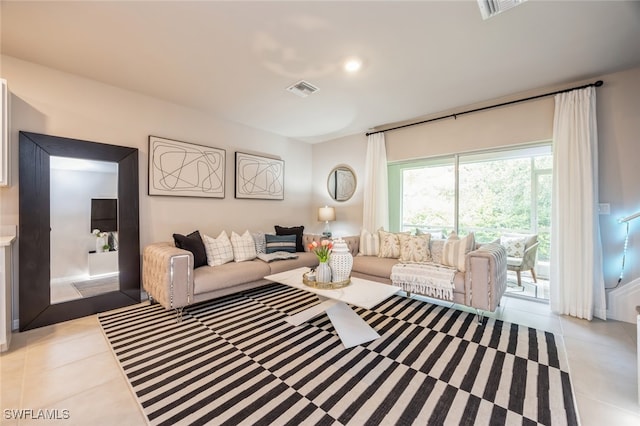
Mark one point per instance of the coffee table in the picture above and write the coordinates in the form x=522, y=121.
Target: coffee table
x=362, y=293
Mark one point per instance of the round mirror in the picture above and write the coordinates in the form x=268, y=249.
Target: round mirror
x=341, y=183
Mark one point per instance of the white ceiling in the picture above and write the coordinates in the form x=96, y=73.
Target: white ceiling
x=235, y=59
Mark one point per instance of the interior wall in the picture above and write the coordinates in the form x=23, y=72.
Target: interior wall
x=70, y=207
x=618, y=103
x=51, y=102
x=343, y=151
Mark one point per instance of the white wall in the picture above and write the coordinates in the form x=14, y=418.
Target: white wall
x=618, y=103
x=51, y=102
x=343, y=151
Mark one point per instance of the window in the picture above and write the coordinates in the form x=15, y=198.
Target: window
x=489, y=193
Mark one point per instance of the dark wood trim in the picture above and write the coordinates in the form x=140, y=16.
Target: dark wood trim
x=36, y=309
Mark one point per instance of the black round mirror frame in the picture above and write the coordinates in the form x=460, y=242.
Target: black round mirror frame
x=36, y=309
x=341, y=183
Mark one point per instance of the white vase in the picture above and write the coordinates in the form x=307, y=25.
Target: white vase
x=100, y=242
x=323, y=273
x=341, y=261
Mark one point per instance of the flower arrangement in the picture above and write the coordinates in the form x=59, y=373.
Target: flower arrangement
x=322, y=250
x=103, y=236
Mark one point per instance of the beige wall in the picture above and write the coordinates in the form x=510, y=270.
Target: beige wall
x=350, y=151
x=47, y=101
x=618, y=105
x=51, y=102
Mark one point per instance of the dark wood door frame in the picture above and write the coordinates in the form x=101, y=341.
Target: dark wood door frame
x=36, y=149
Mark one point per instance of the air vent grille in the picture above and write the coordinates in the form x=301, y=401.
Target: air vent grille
x=490, y=8
x=302, y=88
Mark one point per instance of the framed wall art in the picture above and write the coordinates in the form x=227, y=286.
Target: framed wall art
x=258, y=177
x=185, y=170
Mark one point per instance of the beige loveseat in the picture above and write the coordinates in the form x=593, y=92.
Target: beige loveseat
x=169, y=278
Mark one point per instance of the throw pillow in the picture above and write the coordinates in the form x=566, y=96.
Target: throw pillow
x=244, y=248
x=437, y=246
x=389, y=244
x=415, y=248
x=369, y=243
x=280, y=243
x=294, y=230
x=219, y=250
x=514, y=245
x=260, y=242
x=193, y=243
x=455, y=249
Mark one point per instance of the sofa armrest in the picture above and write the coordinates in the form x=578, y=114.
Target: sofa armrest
x=167, y=274
x=486, y=276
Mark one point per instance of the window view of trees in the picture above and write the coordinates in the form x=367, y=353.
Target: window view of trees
x=498, y=192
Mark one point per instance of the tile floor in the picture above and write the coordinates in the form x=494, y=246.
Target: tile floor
x=69, y=366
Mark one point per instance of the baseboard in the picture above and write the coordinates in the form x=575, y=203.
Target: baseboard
x=622, y=302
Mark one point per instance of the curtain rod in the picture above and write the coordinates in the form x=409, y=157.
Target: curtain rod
x=456, y=115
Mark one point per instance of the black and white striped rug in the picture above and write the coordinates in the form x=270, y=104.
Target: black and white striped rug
x=234, y=360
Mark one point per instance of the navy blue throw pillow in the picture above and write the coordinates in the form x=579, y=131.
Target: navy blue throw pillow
x=294, y=230
x=280, y=243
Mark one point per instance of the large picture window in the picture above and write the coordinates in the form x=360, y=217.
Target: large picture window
x=489, y=193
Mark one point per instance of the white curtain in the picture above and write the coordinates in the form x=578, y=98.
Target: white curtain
x=577, y=283
x=376, y=191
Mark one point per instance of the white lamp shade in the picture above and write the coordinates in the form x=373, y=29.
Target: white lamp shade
x=326, y=214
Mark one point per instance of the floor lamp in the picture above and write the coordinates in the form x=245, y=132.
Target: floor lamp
x=626, y=241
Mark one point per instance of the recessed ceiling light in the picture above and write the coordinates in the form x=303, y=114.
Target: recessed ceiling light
x=352, y=65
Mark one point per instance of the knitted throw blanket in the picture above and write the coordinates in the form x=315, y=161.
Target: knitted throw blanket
x=433, y=280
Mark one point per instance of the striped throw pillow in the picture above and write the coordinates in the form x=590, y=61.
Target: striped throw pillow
x=219, y=250
x=244, y=248
x=456, y=249
x=280, y=243
x=369, y=243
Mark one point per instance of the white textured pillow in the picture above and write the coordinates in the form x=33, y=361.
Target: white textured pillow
x=514, y=245
x=455, y=250
x=260, y=242
x=415, y=248
x=369, y=243
x=219, y=250
x=244, y=247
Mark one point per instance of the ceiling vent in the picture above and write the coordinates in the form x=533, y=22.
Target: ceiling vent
x=302, y=88
x=490, y=8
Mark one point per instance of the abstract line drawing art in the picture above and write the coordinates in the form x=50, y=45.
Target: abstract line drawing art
x=185, y=170
x=259, y=177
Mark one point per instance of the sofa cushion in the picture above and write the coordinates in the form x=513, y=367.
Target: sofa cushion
x=244, y=247
x=280, y=243
x=209, y=278
x=219, y=250
x=374, y=265
x=260, y=242
x=415, y=248
x=369, y=243
x=456, y=249
x=294, y=230
x=436, y=248
x=514, y=245
x=389, y=244
x=193, y=243
x=306, y=259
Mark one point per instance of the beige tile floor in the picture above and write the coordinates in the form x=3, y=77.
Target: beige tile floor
x=69, y=366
